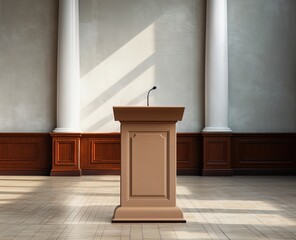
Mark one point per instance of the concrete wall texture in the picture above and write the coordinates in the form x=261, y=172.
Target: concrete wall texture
x=128, y=46
x=28, y=43
x=262, y=73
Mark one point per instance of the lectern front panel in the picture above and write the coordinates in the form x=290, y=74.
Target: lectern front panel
x=149, y=162
x=146, y=168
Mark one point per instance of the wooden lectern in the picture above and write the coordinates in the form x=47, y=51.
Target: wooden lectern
x=148, y=164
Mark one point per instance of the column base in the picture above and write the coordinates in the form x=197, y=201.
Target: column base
x=65, y=154
x=67, y=130
x=217, y=154
x=217, y=129
x=148, y=214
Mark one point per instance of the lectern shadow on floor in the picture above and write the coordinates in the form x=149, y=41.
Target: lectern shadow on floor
x=148, y=164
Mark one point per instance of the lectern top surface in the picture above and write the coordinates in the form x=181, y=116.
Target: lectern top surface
x=148, y=114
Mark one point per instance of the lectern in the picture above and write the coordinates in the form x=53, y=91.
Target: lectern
x=148, y=164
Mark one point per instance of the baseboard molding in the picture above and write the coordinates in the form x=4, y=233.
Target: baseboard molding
x=100, y=172
x=265, y=172
x=189, y=172
x=66, y=173
x=217, y=172
x=39, y=172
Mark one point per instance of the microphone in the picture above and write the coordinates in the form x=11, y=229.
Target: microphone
x=149, y=93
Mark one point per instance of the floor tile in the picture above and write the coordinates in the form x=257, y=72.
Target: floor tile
x=81, y=208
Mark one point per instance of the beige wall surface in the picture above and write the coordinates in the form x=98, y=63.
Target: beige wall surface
x=28, y=42
x=129, y=46
x=262, y=72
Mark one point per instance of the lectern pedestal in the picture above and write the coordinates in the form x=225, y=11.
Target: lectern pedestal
x=148, y=164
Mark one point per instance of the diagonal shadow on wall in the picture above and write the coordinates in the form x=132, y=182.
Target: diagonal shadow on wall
x=126, y=80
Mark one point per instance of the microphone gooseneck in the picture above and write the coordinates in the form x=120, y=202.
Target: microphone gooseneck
x=149, y=93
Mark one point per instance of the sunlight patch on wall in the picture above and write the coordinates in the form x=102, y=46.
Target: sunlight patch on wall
x=122, y=79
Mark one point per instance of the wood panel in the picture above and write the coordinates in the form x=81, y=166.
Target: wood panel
x=31, y=153
x=65, y=154
x=100, y=153
x=189, y=153
x=264, y=153
x=25, y=153
x=217, y=154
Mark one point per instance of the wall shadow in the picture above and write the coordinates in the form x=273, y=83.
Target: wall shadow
x=172, y=50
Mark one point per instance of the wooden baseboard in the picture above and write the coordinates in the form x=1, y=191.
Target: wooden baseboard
x=217, y=172
x=28, y=172
x=100, y=172
x=189, y=172
x=255, y=172
x=66, y=173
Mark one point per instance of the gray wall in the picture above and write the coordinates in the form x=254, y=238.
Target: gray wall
x=262, y=71
x=28, y=37
x=129, y=45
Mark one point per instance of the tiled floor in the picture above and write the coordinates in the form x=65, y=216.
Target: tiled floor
x=241, y=207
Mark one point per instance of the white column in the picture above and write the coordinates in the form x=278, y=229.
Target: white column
x=216, y=68
x=68, y=73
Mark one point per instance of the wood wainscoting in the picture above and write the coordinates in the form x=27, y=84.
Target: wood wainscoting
x=189, y=153
x=249, y=153
x=265, y=153
x=99, y=153
x=65, y=154
x=217, y=154
x=25, y=153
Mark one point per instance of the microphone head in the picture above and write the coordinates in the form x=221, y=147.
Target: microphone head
x=154, y=88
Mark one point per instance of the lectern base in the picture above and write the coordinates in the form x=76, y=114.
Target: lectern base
x=148, y=214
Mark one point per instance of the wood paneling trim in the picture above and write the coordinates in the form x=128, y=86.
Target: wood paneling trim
x=100, y=172
x=25, y=153
x=217, y=172
x=28, y=172
x=264, y=171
